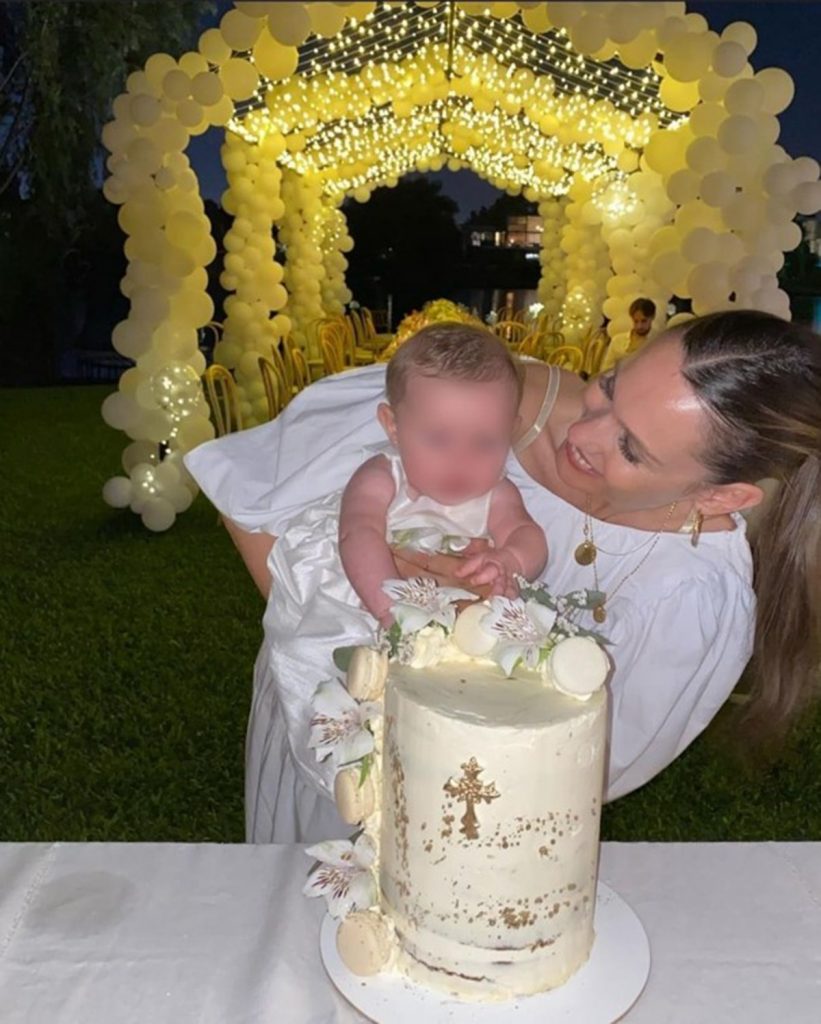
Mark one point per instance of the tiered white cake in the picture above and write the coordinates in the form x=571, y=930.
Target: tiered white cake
x=491, y=790
x=479, y=800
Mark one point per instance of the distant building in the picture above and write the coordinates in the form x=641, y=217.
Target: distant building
x=522, y=232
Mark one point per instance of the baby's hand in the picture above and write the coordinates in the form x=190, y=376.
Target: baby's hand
x=496, y=569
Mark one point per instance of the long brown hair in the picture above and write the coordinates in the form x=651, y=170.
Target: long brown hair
x=760, y=378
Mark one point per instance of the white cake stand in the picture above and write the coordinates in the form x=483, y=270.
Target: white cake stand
x=600, y=992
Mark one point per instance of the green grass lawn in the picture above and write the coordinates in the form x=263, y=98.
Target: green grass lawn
x=126, y=663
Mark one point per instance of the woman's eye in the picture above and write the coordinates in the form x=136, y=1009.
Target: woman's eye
x=627, y=451
x=606, y=382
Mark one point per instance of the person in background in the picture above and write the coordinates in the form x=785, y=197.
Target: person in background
x=642, y=313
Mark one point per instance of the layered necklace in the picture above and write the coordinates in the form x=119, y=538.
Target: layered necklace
x=587, y=552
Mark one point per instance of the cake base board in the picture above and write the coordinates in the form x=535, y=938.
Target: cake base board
x=600, y=992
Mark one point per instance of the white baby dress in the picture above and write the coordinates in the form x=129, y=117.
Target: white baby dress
x=313, y=609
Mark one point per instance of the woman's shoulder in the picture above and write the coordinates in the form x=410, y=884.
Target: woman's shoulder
x=537, y=378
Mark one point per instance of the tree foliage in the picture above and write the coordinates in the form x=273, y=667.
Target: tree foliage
x=407, y=244
x=61, y=65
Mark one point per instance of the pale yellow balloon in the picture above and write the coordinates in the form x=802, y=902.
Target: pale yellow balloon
x=326, y=19
x=157, y=67
x=729, y=59
x=169, y=135
x=706, y=118
x=213, y=47
x=290, y=24
x=239, y=78
x=206, y=89
x=220, y=113
x=679, y=96
x=176, y=85
x=193, y=64
x=274, y=59
x=682, y=186
x=738, y=134
x=778, y=88
x=687, y=56
x=743, y=33
x=145, y=110
x=239, y=31
x=705, y=155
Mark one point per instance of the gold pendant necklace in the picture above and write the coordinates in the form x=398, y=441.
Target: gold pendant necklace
x=587, y=551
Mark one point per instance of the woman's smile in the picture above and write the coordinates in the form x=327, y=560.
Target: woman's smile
x=578, y=461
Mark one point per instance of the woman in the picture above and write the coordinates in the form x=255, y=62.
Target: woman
x=638, y=479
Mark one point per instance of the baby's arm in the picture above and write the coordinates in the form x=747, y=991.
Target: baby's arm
x=363, y=548
x=520, y=547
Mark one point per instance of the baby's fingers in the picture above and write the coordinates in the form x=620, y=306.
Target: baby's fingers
x=469, y=566
x=487, y=574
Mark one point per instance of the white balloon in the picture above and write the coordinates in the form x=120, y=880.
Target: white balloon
x=117, y=492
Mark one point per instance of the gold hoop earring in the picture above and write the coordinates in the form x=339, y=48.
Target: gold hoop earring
x=695, y=531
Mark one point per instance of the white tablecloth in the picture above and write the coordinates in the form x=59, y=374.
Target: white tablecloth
x=171, y=934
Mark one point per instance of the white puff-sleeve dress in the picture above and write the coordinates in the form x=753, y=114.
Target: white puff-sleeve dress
x=681, y=627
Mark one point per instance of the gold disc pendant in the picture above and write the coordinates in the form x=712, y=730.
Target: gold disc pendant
x=585, y=553
x=599, y=613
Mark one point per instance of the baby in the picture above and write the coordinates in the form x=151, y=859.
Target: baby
x=453, y=393
x=453, y=396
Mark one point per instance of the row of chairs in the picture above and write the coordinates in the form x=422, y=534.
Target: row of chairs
x=344, y=341
x=542, y=339
x=350, y=340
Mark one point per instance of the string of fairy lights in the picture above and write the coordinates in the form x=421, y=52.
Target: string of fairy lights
x=371, y=102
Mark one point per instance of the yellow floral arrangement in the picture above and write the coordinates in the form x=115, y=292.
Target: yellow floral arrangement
x=435, y=311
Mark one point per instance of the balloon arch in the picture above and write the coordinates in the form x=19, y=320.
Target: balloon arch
x=647, y=139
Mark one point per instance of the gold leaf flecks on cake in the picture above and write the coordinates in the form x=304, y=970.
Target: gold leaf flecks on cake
x=470, y=791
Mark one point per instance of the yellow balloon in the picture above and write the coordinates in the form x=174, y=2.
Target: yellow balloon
x=273, y=59
x=213, y=47
x=193, y=64
x=239, y=78
x=176, y=85
x=157, y=67
x=289, y=24
x=239, y=30
x=206, y=89
x=326, y=19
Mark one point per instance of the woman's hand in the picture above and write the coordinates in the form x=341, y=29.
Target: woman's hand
x=440, y=567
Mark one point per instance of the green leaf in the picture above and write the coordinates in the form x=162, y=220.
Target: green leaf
x=342, y=657
x=365, y=766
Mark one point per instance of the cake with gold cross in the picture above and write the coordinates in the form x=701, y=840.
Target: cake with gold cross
x=471, y=753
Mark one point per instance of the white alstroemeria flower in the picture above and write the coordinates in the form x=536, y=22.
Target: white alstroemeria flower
x=338, y=724
x=522, y=627
x=420, y=601
x=344, y=875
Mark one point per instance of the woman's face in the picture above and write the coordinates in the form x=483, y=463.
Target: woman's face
x=637, y=442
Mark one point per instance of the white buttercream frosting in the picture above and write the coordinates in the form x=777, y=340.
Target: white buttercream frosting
x=491, y=790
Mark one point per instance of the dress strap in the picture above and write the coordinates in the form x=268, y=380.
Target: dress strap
x=549, y=400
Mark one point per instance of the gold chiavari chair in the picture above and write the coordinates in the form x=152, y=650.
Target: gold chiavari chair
x=530, y=345
x=511, y=332
x=355, y=352
x=594, y=354
x=373, y=341
x=274, y=385
x=332, y=353
x=221, y=391
x=302, y=377
x=568, y=357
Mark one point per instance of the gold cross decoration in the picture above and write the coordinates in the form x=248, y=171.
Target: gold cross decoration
x=471, y=791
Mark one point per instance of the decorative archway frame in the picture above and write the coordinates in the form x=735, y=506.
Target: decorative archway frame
x=647, y=139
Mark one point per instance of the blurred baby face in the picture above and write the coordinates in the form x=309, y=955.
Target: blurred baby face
x=453, y=435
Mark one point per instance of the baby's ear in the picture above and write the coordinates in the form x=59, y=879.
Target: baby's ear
x=384, y=414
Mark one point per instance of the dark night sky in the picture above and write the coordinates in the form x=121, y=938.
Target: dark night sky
x=789, y=37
